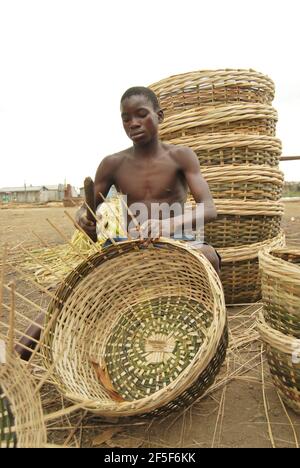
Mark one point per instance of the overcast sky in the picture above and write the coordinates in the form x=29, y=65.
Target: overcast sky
x=65, y=64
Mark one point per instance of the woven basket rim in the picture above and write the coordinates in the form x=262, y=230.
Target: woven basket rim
x=248, y=252
x=232, y=206
x=215, y=141
x=249, y=207
x=207, y=115
x=285, y=343
x=278, y=267
x=214, y=75
x=243, y=172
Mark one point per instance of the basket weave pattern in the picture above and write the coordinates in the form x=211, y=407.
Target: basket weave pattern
x=280, y=273
x=244, y=182
x=238, y=118
x=153, y=321
x=242, y=222
x=233, y=149
x=240, y=270
x=205, y=87
x=283, y=353
x=226, y=118
x=21, y=416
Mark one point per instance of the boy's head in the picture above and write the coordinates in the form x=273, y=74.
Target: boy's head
x=141, y=114
x=142, y=91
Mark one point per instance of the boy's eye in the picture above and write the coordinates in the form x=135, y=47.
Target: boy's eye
x=142, y=113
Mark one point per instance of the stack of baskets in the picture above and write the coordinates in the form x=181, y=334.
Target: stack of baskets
x=279, y=325
x=137, y=330
x=21, y=417
x=226, y=117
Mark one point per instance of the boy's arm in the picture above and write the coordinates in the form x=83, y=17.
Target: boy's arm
x=198, y=186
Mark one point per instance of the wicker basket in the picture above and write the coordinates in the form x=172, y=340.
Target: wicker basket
x=283, y=353
x=21, y=417
x=244, y=182
x=258, y=119
x=280, y=273
x=205, y=87
x=240, y=270
x=138, y=330
x=243, y=223
x=219, y=150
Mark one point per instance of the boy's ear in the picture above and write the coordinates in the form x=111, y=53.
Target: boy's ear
x=161, y=116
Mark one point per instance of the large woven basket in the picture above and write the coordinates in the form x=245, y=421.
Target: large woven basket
x=280, y=274
x=240, y=270
x=244, y=182
x=138, y=330
x=21, y=417
x=243, y=222
x=219, y=150
x=283, y=353
x=247, y=118
x=205, y=87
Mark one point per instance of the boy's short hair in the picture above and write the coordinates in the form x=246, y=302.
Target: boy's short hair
x=143, y=91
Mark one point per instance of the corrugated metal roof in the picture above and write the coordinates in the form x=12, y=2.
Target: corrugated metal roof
x=31, y=188
x=21, y=189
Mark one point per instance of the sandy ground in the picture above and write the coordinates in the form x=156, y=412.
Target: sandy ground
x=235, y=415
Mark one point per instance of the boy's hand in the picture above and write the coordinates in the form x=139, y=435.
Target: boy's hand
x=89, y=227
x=153, y=229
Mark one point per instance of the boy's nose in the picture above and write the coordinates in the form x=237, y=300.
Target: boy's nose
x=134, y=123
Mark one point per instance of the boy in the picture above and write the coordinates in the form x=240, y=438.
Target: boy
x=150, y=173
x=153, y=173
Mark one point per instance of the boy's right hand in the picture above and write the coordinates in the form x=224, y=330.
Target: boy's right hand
x=89, y=227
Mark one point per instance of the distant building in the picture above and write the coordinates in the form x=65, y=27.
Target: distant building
x=32, y=194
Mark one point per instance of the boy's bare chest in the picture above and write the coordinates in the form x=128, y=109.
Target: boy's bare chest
x=148, y=179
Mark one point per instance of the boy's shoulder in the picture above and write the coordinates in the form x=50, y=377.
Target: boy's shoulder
x=179, y=152
x=112, y=160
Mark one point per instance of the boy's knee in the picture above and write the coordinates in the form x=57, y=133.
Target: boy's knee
x=211, y=256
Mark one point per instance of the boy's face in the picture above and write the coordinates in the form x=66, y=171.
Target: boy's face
x=140, y=120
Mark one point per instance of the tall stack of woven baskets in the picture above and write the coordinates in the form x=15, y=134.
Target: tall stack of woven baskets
x=226, y=118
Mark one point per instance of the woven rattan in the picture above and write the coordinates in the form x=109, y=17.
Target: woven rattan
x=244, y=182
x=205, y=87
x=248, y=118
x=242, y=223
x=280, y=273
x=219, y=150
x=138, y=330
x=283, y=353
x=240, y=270
x=21, y=417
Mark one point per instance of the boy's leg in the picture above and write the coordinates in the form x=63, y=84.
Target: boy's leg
x=210, y=253
x=32, y=333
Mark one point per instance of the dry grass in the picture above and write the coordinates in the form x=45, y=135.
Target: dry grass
x=220, y=418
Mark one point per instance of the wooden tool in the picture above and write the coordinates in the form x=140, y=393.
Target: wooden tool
x=89, y=192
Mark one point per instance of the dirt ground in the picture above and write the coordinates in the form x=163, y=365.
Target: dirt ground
x=242, y=409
